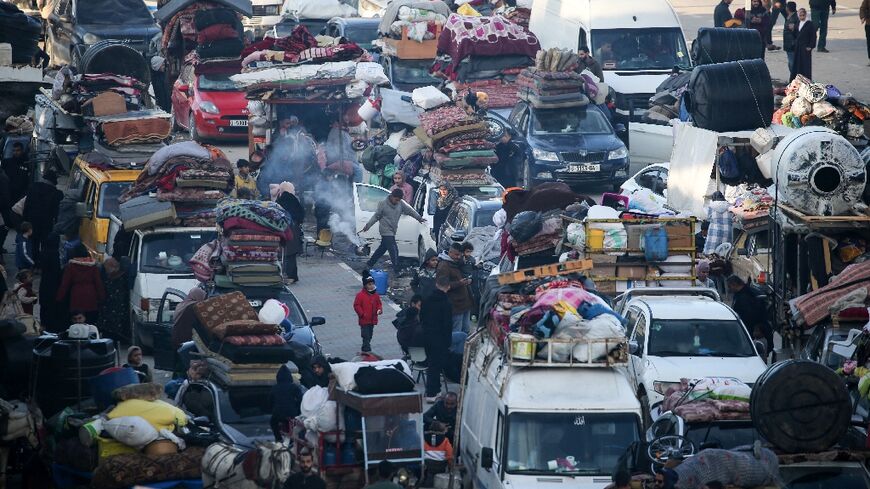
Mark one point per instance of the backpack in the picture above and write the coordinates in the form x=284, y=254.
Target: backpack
x=729, y=167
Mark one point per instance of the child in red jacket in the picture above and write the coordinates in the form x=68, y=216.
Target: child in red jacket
x=368, y=307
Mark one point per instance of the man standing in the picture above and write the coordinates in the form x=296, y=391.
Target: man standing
x=789, y=33
x=750, y=309
x=587, y=62
x=722, y=13
x=864, y=15
x=17, y=168
x=449, y=273
x=306, y=478
x=510, y=160
x=436, y=320
x=820, y=10
x=387, y=216
x=805, y=42
x=40, y=208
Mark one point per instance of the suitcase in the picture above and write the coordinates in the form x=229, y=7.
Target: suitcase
x=146, y=211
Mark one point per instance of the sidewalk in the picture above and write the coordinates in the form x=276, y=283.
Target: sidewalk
x=327, y=287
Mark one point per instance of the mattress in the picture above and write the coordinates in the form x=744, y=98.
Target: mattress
x=242, y=354
x=146, y=211
x=217, y=310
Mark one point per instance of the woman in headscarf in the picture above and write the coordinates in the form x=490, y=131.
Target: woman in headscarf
x=423, y=282
x=447, y=196
x=53, y=314
x=286, y=198
x=113, y=311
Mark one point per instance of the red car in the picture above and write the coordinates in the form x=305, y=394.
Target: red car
x=209, y=106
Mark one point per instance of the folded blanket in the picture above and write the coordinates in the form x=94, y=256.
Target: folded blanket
x=471, y=153
x=240, y=327
x=233, y=256
x=256, y=340
x=200, y=183
x=478, y=161
x=265, y=213
x=190, y=195
x=238, y=223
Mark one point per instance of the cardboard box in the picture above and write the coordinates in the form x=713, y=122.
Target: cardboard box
x=603, y=265
x=108, y=103
x=631, y=270
x=680, y=236
x=411, y=49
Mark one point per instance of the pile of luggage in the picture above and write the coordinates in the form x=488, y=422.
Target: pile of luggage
x=204, y=31
x=21, y=32
x=457, y=135
x=709, y=399
x=553, y=81
x=241, y=346
x=179, y=185
x=814, y=104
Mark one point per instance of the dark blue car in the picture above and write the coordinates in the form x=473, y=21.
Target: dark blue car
x=573, y=145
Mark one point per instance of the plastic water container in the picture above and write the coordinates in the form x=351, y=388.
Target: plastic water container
x=329, y=455
x=381, y=280
x=348, y=456
x=595, y=240
x=522, y=346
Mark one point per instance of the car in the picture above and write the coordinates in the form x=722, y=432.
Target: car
x=653, y=177
x=572, y=145
x=209, y=106
x=357, y=30
x=825, y=475
x=241, y=414
x=426, y=196
x=467, y=214
x=671, y=337
x=819, y=347
x=726, y=434
x=74, y=25
x=413, y=238
x=750, y=253
x=408, y=74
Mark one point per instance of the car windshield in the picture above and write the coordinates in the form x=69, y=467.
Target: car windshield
x=570, y=443
x=569, y=121
x=413, y=72
x=362, y=34
x=216, y=83
x=725, y=435
x=126, y=12
x=483, y=217
x=169, y=253
x=640, y=49
x=699, y=337
x=820, y=477
x=481, y=192
x=109, y=193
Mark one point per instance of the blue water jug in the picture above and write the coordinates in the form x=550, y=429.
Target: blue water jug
x=381, y=280
x=348, y=456
x=329, y=455
x=655, y=244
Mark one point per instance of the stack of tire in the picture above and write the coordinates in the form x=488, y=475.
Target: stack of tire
x=21, y=31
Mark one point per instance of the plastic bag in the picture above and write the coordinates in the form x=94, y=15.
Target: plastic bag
x=525, y=226
x=356, y=89
x=372, y=73
x=467, y=11
x=429, y=97
x=801, y=106
x=133, y=431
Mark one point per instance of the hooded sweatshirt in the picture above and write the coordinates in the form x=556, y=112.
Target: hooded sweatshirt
x=388, y=214
x=310, y=379
x=367, y=304
x=423, y=282
x=82, y=283
x=286, y=396
x=459, y=294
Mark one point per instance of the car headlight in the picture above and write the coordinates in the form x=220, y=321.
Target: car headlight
x=209, y=107
x=617, y=154
x=91, y=39
x=662, y=387
x=544, y=155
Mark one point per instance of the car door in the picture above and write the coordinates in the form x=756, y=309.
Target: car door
x=181, y=100
x=638, y=337
x=449, y=227
x=365, y=201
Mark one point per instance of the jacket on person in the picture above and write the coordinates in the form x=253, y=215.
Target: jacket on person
x=423, y=282
x=750, y=309
x=593, y=66
x=864, y=11
x=387, y=216
x=301, y=481
x=436, y=319
x=82, y=283
x=721, y=14
x=367, y=304
x=249, y=184
x=27, y=297
x=41, y=205
x=23, y=252
x=459, y=294
x=438, y=412
x=409, y=331
x=790, y=30
x=310, y=379
x=286, y=396
x=822, y=4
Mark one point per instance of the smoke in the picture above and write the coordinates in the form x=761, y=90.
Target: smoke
x=339, y=225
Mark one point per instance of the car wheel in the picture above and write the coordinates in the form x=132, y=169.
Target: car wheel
x=646, y=417
x=191, y=125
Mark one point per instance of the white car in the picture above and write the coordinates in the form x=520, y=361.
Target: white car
x=412, y=237
x=685, y=336
x=653, y=177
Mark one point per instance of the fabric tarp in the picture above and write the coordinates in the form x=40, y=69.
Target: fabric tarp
x=396, y=110
x=167, y=11
x=392, y=12
x=693, y=157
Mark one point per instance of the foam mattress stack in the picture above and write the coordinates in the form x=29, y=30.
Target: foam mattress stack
x=461, y=152
x=252, y=235
x=553, y=82
x=239, y=348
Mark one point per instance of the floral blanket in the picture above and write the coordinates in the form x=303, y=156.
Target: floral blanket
x=264, y=213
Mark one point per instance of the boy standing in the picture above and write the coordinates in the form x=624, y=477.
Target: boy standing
x=368, y=307
x=24, y=247
x=246, y=185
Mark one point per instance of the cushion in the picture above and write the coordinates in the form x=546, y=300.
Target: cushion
x=131, y=469
x=255, y=340
x=243, y=327
x=226, y=307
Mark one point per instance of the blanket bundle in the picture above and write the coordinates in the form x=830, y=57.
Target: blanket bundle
x=252, y=235
x=553, y=82
x=457, y=136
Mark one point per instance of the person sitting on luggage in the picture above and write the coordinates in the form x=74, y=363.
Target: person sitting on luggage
x=286, y=399
x=438, y=449
x=444, y=412
x=134, y=361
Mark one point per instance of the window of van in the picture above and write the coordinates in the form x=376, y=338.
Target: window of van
x=170, y=252
x=640, y=49
x=535, y=441
x=109, y=193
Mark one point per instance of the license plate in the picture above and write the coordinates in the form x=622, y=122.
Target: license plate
x=584, y=168
x=239, y=122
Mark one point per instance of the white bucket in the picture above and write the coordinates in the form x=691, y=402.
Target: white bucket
x=367, y=111
x=522, y=346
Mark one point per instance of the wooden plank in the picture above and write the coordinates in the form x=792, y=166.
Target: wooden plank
x=555, y=269
x=821, y=219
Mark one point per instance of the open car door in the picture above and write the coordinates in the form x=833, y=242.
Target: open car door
x=164, y=352
x=365, y=201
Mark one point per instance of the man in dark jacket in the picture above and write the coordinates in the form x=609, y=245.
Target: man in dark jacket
x=409, y=331
x=5, y=208
x=587, y=62
x=286, y=397
x=751, y=309
x=40, y=208
x=17, y=168
x=443, y=411
x=306, y=478
x=722, y=13
x=510, y=160
x=820, y=10
x=789, y=32
x=318, y=374
x=423, y=282
x=436, y=317
x=805, y=42
x=450, y=272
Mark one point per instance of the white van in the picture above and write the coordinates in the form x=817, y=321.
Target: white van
x=519, y=420
x=637, y=43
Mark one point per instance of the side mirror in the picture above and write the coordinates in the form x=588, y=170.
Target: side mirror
x=317, y=321
x=486, y=458
x=82, y=210
x=620, y=128
x=633, y=347
x=184, y=87
x=742, y=252
x=762, y=348
x=458, y=236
